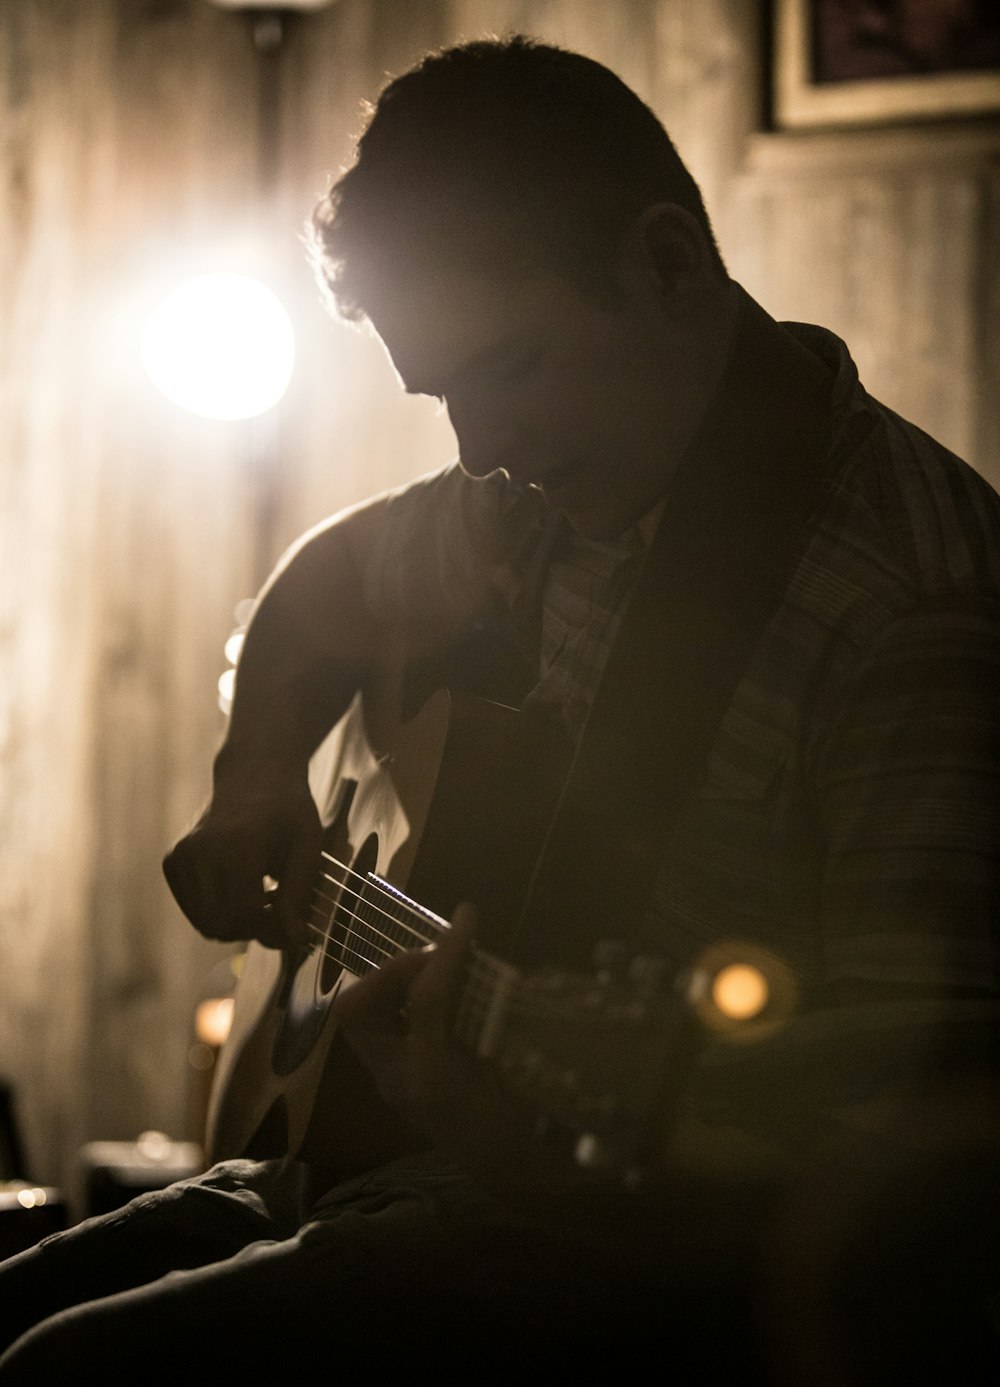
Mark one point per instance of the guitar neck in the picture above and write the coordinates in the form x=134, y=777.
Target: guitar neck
x=364, y=921
x=595, y=1053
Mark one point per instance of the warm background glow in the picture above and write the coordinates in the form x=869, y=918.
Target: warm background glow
x=220, y=345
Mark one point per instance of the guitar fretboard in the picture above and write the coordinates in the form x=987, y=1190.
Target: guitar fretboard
x=365, y=920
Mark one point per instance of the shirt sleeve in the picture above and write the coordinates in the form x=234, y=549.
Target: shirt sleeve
x=906, y=781
x=446, y=546
x=907, y=788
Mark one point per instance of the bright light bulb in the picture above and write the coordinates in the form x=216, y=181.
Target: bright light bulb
x=220, y=345
x=740, y=991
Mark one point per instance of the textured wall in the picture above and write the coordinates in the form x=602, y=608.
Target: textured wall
x=126, y=536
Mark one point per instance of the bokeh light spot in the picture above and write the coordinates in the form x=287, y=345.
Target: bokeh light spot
x=740, y=991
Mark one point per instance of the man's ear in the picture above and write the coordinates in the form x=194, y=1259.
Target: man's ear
x=671, y=247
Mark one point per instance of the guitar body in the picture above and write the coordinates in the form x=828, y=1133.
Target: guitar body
x=447, y=805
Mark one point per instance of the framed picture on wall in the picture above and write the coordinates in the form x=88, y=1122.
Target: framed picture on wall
x=864, y=62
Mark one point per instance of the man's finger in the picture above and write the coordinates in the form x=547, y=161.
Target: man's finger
x=192, y=889
x=299, y=876
x=435, y=991
x=377, y=1000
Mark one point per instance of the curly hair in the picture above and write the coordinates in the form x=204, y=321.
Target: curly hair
x=499, y=154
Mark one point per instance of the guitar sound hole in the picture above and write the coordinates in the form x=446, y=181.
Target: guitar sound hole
x=301, y=1018
x=352, y=937
x=351, y=942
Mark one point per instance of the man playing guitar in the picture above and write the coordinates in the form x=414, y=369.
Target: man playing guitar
x=760, y=613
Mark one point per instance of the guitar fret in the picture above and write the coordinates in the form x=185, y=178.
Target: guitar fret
x=370, y=948
x=398, y=937
x=383, y=922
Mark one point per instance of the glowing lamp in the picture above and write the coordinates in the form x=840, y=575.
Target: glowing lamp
x=220, y=345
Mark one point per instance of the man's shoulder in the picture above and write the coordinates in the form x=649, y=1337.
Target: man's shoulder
x=443, y=538
x=905, y=526
x=905, y=520
x=906, y=504
x=889, y=464
x=449, y=489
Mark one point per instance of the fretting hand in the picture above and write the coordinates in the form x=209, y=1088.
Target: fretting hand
x=399, y=1019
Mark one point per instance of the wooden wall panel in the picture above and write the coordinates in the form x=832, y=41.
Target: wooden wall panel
x=891, y=239
x=128, y=138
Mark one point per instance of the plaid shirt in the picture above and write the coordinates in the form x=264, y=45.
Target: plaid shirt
x=849, y=815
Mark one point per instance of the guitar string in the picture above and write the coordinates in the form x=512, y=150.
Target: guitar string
x=477, y=995
x=480, y=991
x=480, y=988
x=374, y=937
x=482, y=970
x=391, y=893
x=337, y=908
x=333, y=904
x=340, y=912
x=343, y=945
x=342, y=951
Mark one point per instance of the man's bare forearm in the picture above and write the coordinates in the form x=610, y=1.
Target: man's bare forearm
x=308, y=647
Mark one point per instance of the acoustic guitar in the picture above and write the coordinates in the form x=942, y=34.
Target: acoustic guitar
x=421, y=812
